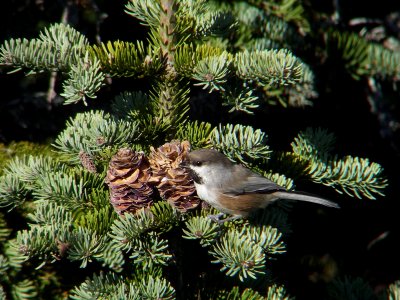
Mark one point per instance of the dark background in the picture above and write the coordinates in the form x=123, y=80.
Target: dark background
x=323, y=241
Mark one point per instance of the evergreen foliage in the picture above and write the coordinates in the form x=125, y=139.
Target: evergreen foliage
x=240, y=143
x=351, y=288
x=394, y=291
x=353, y=175
x=126, y=59
x=361, y=58
x=241, y=53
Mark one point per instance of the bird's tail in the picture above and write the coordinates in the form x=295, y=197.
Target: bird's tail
x=300, y=196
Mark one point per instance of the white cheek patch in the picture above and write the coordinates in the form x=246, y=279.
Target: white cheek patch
x=202, y=172
x=213, y=177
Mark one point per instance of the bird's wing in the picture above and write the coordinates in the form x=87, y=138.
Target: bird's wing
x=253, y=184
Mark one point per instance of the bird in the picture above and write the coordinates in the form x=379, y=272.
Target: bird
x=234, y=189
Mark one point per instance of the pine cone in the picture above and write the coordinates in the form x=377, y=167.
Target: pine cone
x=87, y=162
x=127, y=177
x=175, y=184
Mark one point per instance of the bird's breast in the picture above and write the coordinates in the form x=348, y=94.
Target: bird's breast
x=207, y=194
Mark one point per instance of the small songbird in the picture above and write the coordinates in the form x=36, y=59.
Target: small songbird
x=234, y=189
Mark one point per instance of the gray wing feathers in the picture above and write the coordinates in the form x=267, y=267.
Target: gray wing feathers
x=254, y=184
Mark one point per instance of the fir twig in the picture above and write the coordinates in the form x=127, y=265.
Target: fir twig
x=352, y=175
x=241, y=143
x=269, y=67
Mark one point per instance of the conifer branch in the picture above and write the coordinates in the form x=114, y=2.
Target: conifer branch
x=85, y=245
x=248, y=261
x=143, y=110
x=156, y=288
x=300, y=93
x=239, y=261
x=351, y=49
x=93, y=131
x=280, y=179
x=147, y=11
x=236, y=293
x=215, y=23
x=165, y=216
x=280, y=33
x=56, y=49
x=168, y=34
x=125, y=59
x=61, y=33
x=267, y=237
x=135, y=234
x=290, y=10
x=241, y=99
x=51, y=214
x=85, y=79
x=213, y=72
x=203, y=229
x=347, y=287
x=276, y=292
x=198, y=133
x=188, y=55
x=38, y=242
x=34, y=54
x=98, y=220
x=150, y=252
x=260, y=30
x=170, y=97
x=241, y=143
x=59, y=48
x=172, y=103
x=269, y=67
x=363, y=58
x=4, y=230
x=12, y=191
x=100, y=286
x=3, y=267
x=63, y=188
x=113, y=257
x=126, y=231
x=112, y=286
x=15, y=257
x=355, y=176
x=29, y=169
x=133, y=104
x=383, y=63
x=313, y=142
x=393, y=292
x=24, y=289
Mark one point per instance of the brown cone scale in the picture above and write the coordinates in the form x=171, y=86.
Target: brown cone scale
x=128, y=178
x=174, y=182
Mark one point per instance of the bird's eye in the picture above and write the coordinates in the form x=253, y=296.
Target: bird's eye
x=198, y=163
